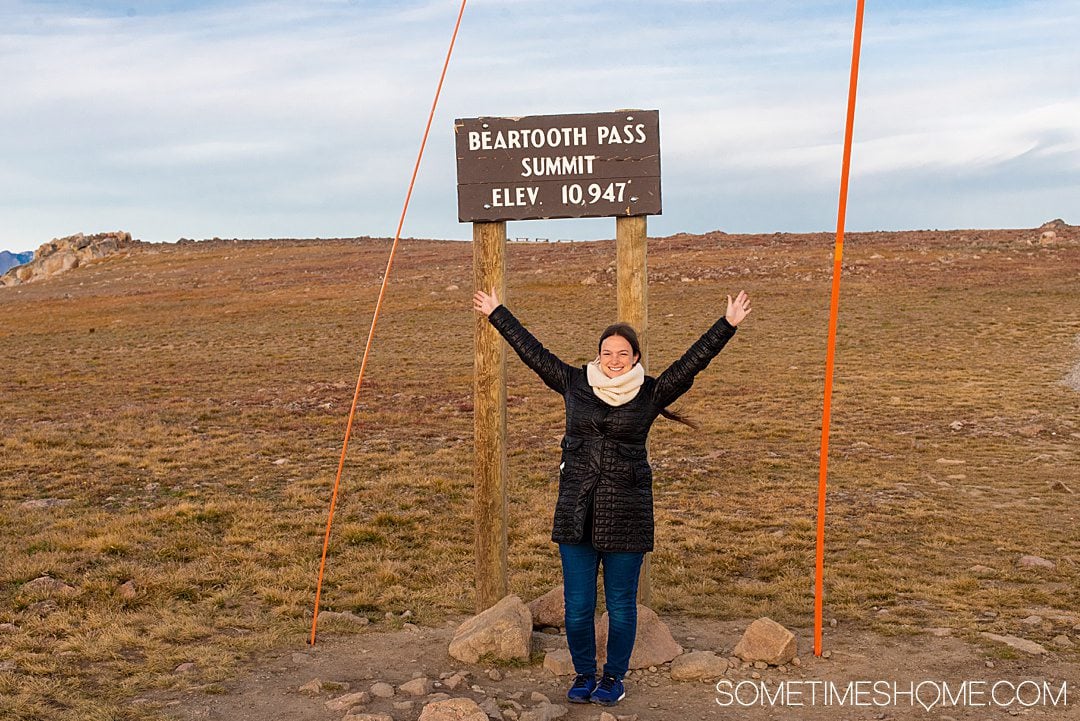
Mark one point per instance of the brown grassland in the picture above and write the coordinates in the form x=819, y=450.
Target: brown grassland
x=190, y=401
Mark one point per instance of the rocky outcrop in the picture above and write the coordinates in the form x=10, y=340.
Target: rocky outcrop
x=62, y=254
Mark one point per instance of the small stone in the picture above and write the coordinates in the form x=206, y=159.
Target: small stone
x=343, y=617
x=832, y=622
x=537, y=697
x=796, y=661
x=1032, y=620
x=411, y=627
x=367, y=717
x=403, y=705
x=187, y=667
x=348, y=701
x=312, y=687
x=826, y=654
x=1063, y=641
x=381, y=689
x=8, y=628
x=451, y=287
x=41, y=503
x=7, y=666
x=989, y=664
x=494, y=674
x=48, y=586
x=1028, y=561
x=453, y=681
x=127, y=590
x=417, y=687
x=1060, y=487
x=760, y=664
x=559, y=662
x=1020, y=644
x=280, y=462
x=755, y=675
x=980, y=570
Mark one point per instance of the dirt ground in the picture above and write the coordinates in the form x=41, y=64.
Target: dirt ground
x=270, y=691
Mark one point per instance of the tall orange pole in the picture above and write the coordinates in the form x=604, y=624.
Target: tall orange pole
x=374, y=323
x=834, y=307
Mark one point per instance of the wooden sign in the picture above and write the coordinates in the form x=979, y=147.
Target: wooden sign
x=591, y=165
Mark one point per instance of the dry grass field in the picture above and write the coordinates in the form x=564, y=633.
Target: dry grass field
x=188, y=403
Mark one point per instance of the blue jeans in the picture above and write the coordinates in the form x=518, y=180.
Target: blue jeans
x=580, y=564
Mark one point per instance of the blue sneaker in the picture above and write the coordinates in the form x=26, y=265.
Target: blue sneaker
x=609, y=691
x=582, y=688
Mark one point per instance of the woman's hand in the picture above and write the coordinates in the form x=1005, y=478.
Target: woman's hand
x=737, y=309
x=484, y=303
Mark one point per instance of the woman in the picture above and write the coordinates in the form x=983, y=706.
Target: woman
x=604, y=511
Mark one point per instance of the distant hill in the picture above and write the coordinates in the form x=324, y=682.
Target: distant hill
x=10, y=260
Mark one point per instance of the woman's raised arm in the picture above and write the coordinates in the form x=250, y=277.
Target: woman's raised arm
x=679, y=376
x=553, y=371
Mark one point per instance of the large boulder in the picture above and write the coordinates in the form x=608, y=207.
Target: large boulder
x=653, y=643
x=768, y=641
x=501, y=633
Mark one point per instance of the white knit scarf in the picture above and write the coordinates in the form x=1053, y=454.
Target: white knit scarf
x=618, y=390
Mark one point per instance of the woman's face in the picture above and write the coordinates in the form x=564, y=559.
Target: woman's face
x=616, y=356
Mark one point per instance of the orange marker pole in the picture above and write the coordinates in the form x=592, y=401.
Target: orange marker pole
x=375, y=320
x=834, y=307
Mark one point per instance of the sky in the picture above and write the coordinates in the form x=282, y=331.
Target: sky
x=173, y=119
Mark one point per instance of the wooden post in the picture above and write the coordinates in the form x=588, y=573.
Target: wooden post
x=489, y=422
x=632, y=281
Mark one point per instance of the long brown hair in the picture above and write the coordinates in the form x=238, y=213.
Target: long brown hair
x=625, y=330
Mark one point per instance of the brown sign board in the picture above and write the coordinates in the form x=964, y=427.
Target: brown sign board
x=591, y=165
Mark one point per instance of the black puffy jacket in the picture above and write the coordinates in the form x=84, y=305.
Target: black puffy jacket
x=605, y=472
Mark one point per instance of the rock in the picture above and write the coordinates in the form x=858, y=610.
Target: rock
x=559, y=662
x=451, y=287
x=312, y=687
x=537, y=697
x=768, y=641
x=407, y=705
x=367, y=717
x=653, y=643
x=549, y=609
x=502, y=632
x=187, y=667
x=591, y=280
x=63, y=254
x=1060, y=487
x=127, y=590
x=381, y=689
x=348, y=701
x=347, y=617
x=40, y=503
x=1032, y=620
x=455, y=709
x=1020, y=644
x=453, y=681
x=1048, y=237
x=495, y=674
x=544, y=712
x=980, y=570
x=760, y=665
x=1063, y=641
x=491, y=707
x=1034, y=562
x=48, y=586
x=417, y=687
x=8, y=628
x=697, y=665
x=8, y=666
